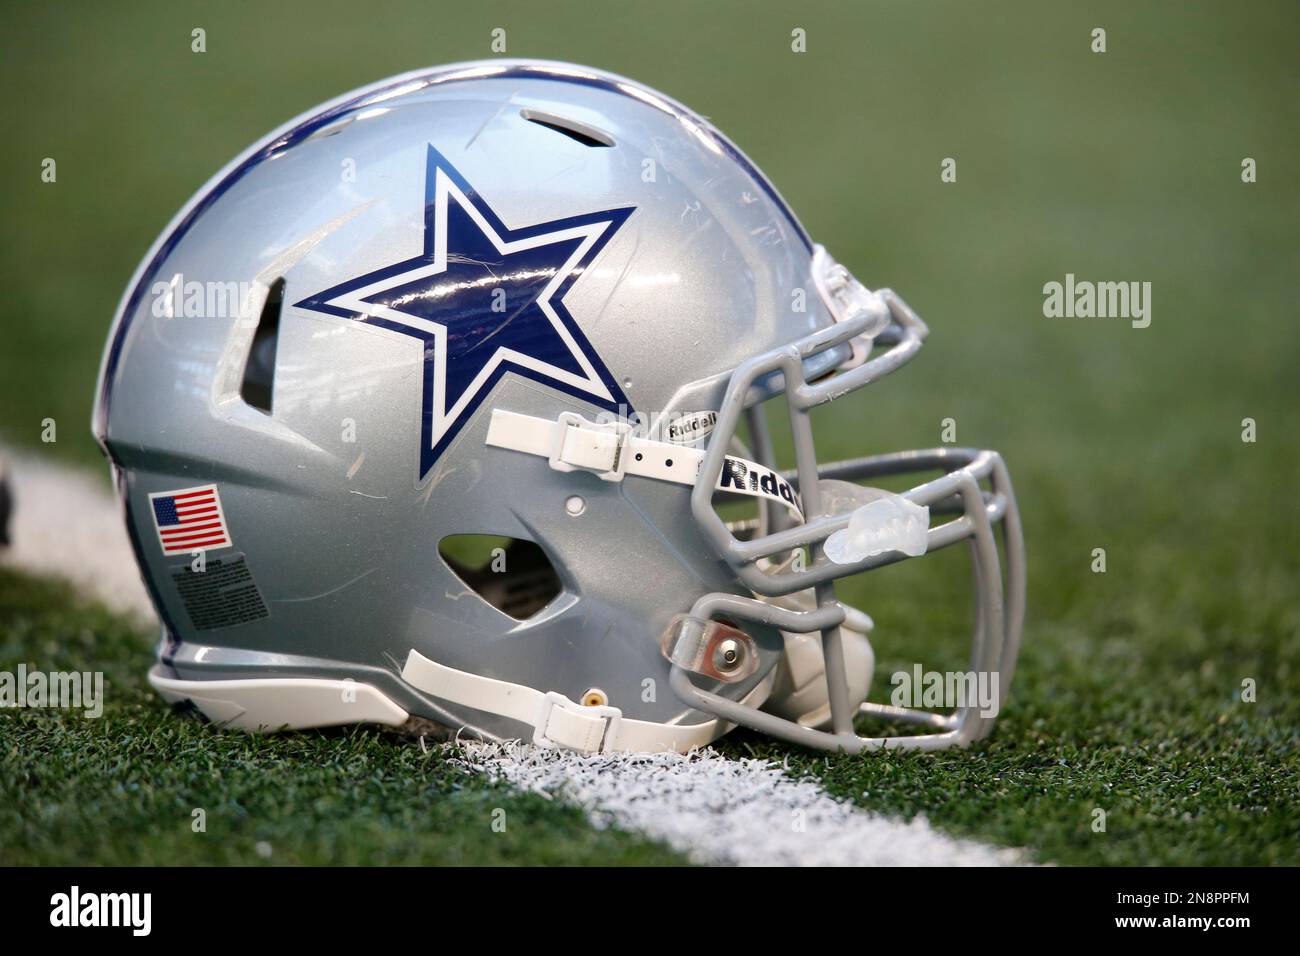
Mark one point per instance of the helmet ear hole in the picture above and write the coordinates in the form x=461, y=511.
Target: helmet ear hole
x=514, y=575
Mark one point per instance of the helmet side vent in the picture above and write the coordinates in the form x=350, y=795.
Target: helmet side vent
x=258, y=385
x=580, y=132
x=514, y=575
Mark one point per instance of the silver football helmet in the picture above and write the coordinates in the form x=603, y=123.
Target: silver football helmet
x=446, y=401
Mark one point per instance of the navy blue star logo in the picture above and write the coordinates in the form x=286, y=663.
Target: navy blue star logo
x=484, y=299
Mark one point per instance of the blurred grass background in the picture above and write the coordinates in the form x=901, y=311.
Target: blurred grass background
x=1117, y=166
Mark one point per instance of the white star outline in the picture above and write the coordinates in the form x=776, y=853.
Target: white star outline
x=444, y=419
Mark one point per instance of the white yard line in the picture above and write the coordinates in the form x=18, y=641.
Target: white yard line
x=716, y=810
x=66, y=522
x=709, y=807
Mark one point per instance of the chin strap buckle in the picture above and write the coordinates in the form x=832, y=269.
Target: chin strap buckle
x=590, y=446
x=588, y=729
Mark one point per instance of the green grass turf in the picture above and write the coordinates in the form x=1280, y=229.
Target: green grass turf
x=1118, y=166
x=122, y=789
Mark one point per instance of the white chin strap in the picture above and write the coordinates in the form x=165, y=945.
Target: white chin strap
x=558, y=721
x=612, y=450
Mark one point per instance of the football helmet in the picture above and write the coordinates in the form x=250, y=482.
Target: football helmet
x=447, y=400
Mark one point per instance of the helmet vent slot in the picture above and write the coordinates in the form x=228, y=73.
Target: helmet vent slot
x=581, y=132
x=259, y=370
x=514, y=575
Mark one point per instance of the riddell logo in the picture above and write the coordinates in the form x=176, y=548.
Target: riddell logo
x=103, y=909
x=740, y=476
x=688, y=428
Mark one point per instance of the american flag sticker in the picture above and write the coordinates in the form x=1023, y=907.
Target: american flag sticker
x=190, y=520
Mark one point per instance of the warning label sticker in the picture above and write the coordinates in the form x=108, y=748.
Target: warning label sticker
x=221, y=595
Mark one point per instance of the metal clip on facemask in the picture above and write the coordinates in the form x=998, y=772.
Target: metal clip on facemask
x=846, y=299
x=712, y=649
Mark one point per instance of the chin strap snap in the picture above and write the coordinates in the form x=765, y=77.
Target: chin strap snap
x=611, y=451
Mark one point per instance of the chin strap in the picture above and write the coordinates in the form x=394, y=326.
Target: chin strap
x=612, y=450
x=558, y=721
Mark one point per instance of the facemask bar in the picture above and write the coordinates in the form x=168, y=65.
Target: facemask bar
x=882, y=318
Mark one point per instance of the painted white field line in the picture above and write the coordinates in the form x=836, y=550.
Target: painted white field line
x=716, y=810
x=67, y=522
x=713, y=809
